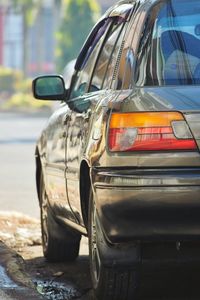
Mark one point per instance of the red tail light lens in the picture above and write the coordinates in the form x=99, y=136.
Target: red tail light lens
x=149, y=132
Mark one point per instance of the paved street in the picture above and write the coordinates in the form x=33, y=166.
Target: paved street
x=18, y=134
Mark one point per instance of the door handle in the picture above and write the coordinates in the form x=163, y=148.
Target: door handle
x=87, y=115
x=63, y=134
x=66, y=119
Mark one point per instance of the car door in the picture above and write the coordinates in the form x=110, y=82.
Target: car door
x=87, y=91
x=55, y=156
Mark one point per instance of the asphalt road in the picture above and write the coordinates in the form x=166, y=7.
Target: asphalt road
x=18, y=133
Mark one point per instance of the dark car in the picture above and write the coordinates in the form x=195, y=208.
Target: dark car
x=119, y=161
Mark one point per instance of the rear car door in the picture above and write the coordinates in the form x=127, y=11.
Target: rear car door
x=55, y=161
x=89, y=86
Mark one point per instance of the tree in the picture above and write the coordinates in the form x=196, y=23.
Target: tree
x=78, y=18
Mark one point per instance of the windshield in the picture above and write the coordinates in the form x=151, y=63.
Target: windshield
x=169, y=52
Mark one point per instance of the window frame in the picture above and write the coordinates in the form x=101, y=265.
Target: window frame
x=124, y=11
x=83, y=59
x=111, y=54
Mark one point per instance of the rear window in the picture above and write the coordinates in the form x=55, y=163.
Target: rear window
x=169, y=51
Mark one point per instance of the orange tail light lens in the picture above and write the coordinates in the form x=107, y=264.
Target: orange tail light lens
x=150, y=131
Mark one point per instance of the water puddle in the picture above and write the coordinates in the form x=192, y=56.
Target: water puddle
x=5, y=281
x=57, y=291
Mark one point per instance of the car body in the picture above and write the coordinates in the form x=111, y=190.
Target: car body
x=119, y=160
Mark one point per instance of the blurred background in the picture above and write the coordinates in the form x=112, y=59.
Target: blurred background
x=40, y=36
x=36, y=37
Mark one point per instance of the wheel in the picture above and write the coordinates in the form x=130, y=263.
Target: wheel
x=58, y=244
x=108, y=283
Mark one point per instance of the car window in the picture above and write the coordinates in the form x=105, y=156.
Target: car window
x=125, y=65
x=107, y=33
x=114, y=60
x=169, y=50
x=80, y=83
x=124, y=68
x=103, y=71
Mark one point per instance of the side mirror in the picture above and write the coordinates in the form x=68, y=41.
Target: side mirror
x=49, y=87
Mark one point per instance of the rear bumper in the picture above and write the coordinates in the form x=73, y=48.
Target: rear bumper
x=148, y=205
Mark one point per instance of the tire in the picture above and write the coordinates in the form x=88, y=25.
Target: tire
x=108, y=283
x=58, y=244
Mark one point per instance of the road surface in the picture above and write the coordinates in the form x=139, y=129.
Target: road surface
x=18, y=133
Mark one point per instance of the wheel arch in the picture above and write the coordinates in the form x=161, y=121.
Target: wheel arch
x=85, y=184
x=38, y=165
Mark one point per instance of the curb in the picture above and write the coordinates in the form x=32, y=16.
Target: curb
x=18, y=284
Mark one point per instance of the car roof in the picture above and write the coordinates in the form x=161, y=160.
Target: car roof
x=140, y=2
x=116, y=7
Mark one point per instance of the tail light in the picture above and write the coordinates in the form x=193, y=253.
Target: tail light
x=149, y=131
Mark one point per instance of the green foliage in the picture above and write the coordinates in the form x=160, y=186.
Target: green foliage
x=16, y=92
x=25, y=101
x=24, y=85
x=78, y=19
x=9, y=78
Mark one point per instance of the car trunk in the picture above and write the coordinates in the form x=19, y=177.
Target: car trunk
x=193, y=120
x=185, y=99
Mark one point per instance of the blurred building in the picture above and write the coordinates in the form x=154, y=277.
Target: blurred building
x=10, y=38
x=41, y=37
x=40, y=41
